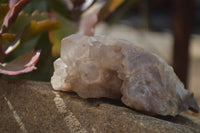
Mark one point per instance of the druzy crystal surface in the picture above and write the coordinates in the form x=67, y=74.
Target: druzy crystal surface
x=100, y=66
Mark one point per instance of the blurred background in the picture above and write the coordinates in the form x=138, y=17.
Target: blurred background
x=169, y=28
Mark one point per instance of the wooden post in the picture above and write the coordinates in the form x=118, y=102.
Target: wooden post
x=183, y=18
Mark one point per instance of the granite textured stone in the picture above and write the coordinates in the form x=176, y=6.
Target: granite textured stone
x=27, y=106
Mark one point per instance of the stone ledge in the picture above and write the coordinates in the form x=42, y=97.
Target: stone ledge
x=28, y=106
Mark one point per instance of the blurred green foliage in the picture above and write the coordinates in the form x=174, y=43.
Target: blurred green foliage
x=42, y=24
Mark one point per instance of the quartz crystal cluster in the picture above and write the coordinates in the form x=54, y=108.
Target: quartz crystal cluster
x=100, y=66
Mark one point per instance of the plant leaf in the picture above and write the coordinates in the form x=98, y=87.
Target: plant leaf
x=28, y=30
x=87, y=4
x=5, y=40
x=60, y=6
x=23, y=64
x=88, y=23
x=3, y=10
x=24, y=19
x=90, y=20
x=55, y=36
x=35, y=28
x=12, y=14
x=108, y=8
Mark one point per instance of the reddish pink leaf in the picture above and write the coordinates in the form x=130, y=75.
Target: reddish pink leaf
x=88, y=23
x=12, y=3
x=12, y=14
x=23, y=64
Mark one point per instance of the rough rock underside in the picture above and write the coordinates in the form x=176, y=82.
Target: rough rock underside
x=100, y=66
x=27, y=106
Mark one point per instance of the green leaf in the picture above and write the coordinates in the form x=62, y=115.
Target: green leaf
x=44, y=65
x=108, y=8
x=28, y=27
x=35, y=28
x=68, y=28
x=3, y=10
x=41, y=5
x=23, y=47
x=123, y=10
x=5, y=40
x=24, y=19
x=60, y=7
x=48, y=5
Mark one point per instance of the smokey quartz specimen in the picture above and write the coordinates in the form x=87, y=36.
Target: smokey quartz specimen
x=99, y=66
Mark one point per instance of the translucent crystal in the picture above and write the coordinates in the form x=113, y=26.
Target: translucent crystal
x=100, y=66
